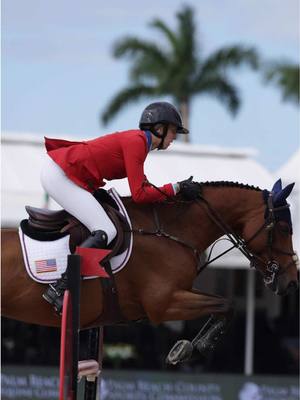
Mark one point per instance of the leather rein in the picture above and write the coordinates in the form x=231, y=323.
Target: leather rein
x=272, y=268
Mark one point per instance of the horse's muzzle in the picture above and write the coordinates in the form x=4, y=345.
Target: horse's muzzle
x=289, y=289
x=292, y=286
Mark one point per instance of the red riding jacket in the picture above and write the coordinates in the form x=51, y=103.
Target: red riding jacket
x=115, y=156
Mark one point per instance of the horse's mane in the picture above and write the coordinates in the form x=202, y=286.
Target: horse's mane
x=230, y=184
x=221, y=184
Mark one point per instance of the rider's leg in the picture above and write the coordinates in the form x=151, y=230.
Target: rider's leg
x=83, y=206
x=77, y=201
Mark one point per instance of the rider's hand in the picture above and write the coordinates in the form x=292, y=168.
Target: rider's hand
x=188, y=189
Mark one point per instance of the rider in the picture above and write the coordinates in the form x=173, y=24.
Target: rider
x=75, y=170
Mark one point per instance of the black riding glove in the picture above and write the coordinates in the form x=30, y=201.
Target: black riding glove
x=190, y=190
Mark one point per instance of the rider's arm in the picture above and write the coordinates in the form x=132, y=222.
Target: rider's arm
x=134, y=154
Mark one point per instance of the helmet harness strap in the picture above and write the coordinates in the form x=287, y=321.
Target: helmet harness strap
x=161, y=137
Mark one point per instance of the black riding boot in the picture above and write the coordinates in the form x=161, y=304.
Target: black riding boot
x=55, y=292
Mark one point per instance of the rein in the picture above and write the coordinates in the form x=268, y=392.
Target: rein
x=159, y=232
x=273, y=269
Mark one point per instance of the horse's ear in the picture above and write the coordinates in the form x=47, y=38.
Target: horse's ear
x=283, y=194
x=277, y=186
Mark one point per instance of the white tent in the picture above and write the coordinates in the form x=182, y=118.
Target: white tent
x=22, y=157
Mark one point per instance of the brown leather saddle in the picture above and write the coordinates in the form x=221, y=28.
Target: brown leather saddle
x=60, y=221
x=44, y=223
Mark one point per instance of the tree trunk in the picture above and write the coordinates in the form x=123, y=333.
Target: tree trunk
x=184, y=111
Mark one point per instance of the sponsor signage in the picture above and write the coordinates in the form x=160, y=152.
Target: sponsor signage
x=42, y=383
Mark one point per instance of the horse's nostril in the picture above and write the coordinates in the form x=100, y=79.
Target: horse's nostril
x=293, y=285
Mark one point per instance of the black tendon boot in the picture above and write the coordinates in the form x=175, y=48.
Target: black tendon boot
x=55, y=292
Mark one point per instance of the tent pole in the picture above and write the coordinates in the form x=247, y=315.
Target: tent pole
x=250, y=323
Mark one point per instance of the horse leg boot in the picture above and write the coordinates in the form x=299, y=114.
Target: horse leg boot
x=214, y=329
x=205, y=341
x=55, y=292
x=194, y=304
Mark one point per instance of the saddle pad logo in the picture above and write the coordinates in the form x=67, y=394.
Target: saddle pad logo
x=42, y=266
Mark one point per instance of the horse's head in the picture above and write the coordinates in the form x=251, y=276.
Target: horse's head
x=270, y=241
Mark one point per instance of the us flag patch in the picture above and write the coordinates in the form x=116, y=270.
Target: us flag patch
x=42, y=266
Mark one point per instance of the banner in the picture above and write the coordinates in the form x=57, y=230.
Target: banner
x=42, y=383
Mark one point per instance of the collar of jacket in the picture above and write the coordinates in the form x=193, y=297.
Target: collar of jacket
x=149, y=140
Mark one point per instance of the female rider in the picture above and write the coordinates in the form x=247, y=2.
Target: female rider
x=74, y=170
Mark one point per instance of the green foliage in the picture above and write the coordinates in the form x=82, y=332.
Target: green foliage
x=286, y=77
x=177, y=68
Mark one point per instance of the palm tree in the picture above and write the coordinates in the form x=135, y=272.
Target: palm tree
x=286, y=77
x=179, y=69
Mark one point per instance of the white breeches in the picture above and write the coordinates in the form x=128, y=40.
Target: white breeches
x=77, y=201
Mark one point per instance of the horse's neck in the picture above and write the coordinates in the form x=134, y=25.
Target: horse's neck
x=234, y=205
x=192, y=222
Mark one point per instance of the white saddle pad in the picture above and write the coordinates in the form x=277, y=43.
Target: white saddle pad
x=45, y=261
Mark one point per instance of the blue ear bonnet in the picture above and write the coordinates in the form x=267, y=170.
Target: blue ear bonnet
x=279, y=199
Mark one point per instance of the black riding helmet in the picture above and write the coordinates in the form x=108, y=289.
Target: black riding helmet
x=161, y=113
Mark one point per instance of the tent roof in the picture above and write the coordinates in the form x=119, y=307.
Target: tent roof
x=22, y=156
x=290, y=170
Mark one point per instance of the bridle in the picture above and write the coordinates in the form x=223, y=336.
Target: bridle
x=271, y=271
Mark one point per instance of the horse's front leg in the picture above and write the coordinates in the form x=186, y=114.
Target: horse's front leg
x=214, y=328
x=188, y=305
x=191, y=304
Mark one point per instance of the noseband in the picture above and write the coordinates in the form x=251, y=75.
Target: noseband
x=272, y=268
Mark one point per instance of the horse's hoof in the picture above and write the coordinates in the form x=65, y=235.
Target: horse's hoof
x=181, y=351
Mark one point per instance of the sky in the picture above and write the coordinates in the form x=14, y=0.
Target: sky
x=58, y=71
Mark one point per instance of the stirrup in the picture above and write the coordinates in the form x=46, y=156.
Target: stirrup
x=97, y=240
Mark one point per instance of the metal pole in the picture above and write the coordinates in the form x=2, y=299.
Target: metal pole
x=250, y=323
x=95, y=352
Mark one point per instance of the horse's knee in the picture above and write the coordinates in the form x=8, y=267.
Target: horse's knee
x=155, y=310
x=156, y=315
x=227, y=307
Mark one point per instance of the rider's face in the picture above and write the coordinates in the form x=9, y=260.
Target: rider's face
x=171, y=135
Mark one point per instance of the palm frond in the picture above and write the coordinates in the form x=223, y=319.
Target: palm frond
x=222, y=90
x=125, y=96
x=233, y=56
x=187, y=32
x=145, y=69
x=160, y=25
x=286, y=77
x=134, y=47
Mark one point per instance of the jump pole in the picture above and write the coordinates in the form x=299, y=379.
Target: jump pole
x=70, y=332
x=72, y=370
x=95, y=352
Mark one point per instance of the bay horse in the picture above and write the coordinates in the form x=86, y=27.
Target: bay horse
x=157, y=282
